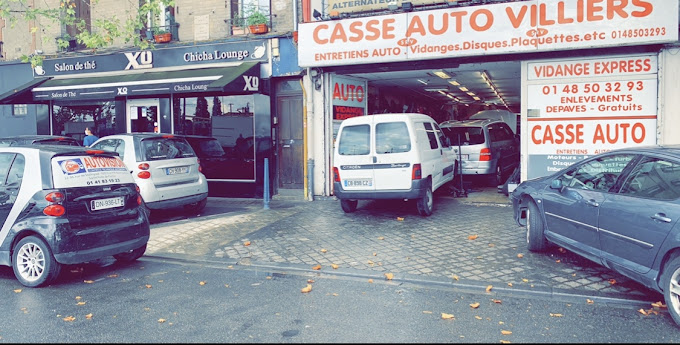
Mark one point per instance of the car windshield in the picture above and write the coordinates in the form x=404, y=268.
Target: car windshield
x=166, y=148
x=464, y=135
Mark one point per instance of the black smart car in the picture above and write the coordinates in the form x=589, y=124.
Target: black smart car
x=66, y=205
x=38, y=139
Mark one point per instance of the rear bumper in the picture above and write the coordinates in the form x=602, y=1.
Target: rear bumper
x=417, y=191
x=100, y=252
x=176, y=202
x=478, y=168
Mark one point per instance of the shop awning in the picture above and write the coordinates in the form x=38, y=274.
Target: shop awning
x=240, y=79
x=21, y=94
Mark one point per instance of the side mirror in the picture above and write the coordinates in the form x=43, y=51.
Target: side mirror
x=556, y=184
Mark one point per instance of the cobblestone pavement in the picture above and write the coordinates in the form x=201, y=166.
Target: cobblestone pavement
x=463, y=243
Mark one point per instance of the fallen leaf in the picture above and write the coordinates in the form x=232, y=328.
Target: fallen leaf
x=505, y=341
x=561, y=250
x=472, y=237
x=323, y=250
x=474, y=305
x=612, y=281
x=491, y=244
x=334, y=266
x=658, y=305
x=504, y=332
x=148, y=286
x=510, y=284
x=112, y=276
x=88, y=316
x=558, y=261
x=520, y=255
x=643, y=312
x=78, y=298
x=589, y=301
x=427, y=312
x=525, y=280
x=335, y=294
x=381, y=238
x=268, y=277
x=497, y=301
x=446, y=316
x=556, y=315
x=69, y=319
x=201, y=283
x=310, y=281
x=478, y=317
x=317, y=267
x=307, y=288
x=246, y=243
x=401, y=219
x=88, y=281
x=81, y=303
x=161, y=320
x=488, y=288
x=375, y=254
x=370, y=280
x=17, y=290
x=389, y=276
x=226, y=285
x=455, y=277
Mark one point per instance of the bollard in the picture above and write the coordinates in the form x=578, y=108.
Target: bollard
x=266, y=183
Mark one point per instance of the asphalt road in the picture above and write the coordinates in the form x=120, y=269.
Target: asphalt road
x=166, y=301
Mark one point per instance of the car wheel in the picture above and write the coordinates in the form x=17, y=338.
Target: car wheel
x=425, y=203
x=197, y=207
x=349, y=206
x=497, y=178
x=33, y=262
x=131, y=255
x=670, y=283
x=536, y=241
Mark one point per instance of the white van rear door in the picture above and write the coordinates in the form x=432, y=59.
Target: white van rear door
x=395, y=153
x=353, y=157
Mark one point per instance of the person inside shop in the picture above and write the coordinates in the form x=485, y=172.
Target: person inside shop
x=89, y=137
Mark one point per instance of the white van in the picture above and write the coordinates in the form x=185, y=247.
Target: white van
x=391, y=156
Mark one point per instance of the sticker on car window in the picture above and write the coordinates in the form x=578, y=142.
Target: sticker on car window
x=89, y=171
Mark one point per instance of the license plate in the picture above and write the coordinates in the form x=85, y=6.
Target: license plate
x=177, y=170
x=359, y=182
x=103, y=204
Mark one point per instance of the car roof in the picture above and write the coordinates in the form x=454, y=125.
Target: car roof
x=391, y=116
x=468, y=123
x=673, y=150
x=50, y=149
x=36, y=137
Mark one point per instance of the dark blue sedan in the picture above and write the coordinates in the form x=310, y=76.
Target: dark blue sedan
x=619, y=209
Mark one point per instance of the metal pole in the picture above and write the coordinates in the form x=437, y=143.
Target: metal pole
x=266, y=183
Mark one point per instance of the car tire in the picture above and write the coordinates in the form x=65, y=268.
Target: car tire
x=670, y=283
x=348, y=206
x=198, y=206
x=33, y=263
x=131, y=255
x=425, y=203
x=536, y=240
x=496, y=179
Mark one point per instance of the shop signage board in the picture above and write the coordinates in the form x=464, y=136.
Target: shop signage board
x=581, y=107
x=349, y=99
x=501, y=28
x=345, y=6
x=146, y=60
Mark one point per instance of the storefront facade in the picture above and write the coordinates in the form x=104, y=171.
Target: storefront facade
x=595, y=76
x=219, y=90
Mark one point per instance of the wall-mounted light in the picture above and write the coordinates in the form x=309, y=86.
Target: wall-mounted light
x=407, y=6
x=317, y=14
x=392, y=6
x=315, y=75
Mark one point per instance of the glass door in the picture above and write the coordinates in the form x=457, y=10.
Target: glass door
x=142, y=115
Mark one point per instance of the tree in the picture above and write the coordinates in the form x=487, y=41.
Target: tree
x=217, y=106
x=103, y=32
x=202, y=107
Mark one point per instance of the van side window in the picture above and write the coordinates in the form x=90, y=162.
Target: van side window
x=442, y=138
x=354, y=140
x=392, y=137
x=431, y=135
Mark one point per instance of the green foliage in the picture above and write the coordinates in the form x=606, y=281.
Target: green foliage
x=257, y=17
x=103, y=33
x=160, y=31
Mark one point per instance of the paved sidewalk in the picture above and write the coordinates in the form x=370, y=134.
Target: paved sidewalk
x=468, y=243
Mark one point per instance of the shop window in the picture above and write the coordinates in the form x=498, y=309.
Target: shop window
x=230, y=120
x=160, y=20
x=83, y=23
x=20, y=110
x=71, y=120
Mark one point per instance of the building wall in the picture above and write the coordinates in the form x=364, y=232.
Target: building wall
x=668, y=120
